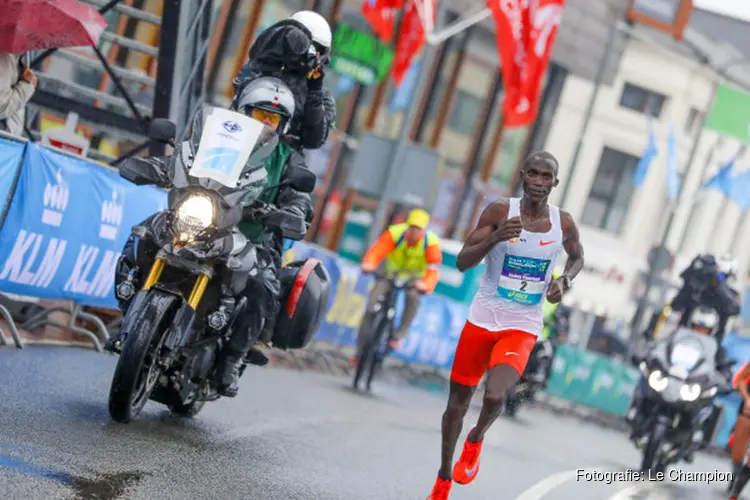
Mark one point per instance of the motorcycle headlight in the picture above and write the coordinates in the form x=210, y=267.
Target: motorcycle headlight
x=192, y=216
x=690, y=392
x=657, y=381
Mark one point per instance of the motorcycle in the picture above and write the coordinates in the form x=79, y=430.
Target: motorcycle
x=674, y=400
x=538, y=368
x=181, y=315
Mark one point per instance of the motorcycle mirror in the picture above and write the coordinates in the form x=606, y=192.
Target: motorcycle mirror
x=301, y=179
x=162, y=130
x=141, y=172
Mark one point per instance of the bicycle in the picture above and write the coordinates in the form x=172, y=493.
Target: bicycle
x=379, y=330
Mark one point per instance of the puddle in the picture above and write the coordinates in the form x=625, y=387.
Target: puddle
x=100, y=487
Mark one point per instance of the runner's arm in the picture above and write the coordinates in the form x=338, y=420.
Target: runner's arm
x=480, y=240
x=572, y=245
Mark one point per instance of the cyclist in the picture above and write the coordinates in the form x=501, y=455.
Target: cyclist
x=409, y=251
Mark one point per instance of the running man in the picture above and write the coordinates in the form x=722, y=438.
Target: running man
x=521, y=239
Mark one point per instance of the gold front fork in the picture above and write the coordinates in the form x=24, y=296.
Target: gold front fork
x=195, y=295
x=154, y=274
x=198, y=289
x=665, y=312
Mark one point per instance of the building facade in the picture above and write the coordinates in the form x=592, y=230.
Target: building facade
x=619, y=223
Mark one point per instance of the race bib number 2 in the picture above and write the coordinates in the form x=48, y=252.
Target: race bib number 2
x=523, y=279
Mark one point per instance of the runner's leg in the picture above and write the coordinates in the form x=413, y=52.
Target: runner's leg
x=499, y=380
x=472, y=358
x=508, y=361
x=453, y=419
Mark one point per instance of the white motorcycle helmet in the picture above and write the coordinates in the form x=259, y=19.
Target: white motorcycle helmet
x=318, y=27
x=272, y=97
x=726, y=267
x=703, y=320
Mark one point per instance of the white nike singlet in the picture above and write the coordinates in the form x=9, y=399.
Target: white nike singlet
x=517, y=274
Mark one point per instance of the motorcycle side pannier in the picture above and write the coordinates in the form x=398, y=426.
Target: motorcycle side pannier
x=305, y=286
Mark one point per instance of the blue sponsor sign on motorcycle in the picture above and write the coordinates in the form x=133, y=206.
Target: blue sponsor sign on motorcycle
x=66, y=225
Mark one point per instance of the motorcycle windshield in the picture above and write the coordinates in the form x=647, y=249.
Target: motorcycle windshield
x=692, y=352
x=226, y=153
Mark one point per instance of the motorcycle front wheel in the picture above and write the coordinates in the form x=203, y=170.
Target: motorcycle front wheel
x=651, y=453
x=137, y=369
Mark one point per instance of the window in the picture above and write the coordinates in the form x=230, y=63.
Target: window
x=693, y=118
x=640, y=99
x=610, y=193
x=466, y=111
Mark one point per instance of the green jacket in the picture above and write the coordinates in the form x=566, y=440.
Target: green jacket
x=275, y=166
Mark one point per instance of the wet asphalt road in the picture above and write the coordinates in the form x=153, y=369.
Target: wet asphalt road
x=289, y=435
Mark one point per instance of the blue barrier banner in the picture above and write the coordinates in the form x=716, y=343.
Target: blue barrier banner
x=11, y=154
x=66, y=226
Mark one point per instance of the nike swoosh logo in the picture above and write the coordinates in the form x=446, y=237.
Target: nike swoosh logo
x=511, y=354
x=470, y=472
x=545, y=243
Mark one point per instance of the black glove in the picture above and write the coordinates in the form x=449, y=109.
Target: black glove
x=316, y=83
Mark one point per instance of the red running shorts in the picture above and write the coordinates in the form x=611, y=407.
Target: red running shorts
x=479, y=349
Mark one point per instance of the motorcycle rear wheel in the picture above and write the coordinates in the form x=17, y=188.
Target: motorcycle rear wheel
x=136, y=373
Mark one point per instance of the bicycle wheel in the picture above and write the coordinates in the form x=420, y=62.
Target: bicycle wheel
x=369, y=349
x=380, y=352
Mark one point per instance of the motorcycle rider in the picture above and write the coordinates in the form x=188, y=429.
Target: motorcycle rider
x=270, y=101
x=296, y=50
x=704, y=321
x=706, y=285
x=410, y=250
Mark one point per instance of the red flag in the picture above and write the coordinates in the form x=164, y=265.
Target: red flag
x=525, y=36
x=411, y=40
x=381, y=14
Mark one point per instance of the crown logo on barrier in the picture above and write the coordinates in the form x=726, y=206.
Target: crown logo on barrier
x=111, y=217
x=55, y=200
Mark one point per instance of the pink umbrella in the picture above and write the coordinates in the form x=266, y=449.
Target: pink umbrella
x=27, y=25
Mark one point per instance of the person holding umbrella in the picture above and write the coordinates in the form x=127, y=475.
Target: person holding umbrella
x=32, y=25
x=17, y=85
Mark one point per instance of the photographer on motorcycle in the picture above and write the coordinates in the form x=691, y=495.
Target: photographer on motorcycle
x=270, y=101
x=706, y=283
x=296, y=50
